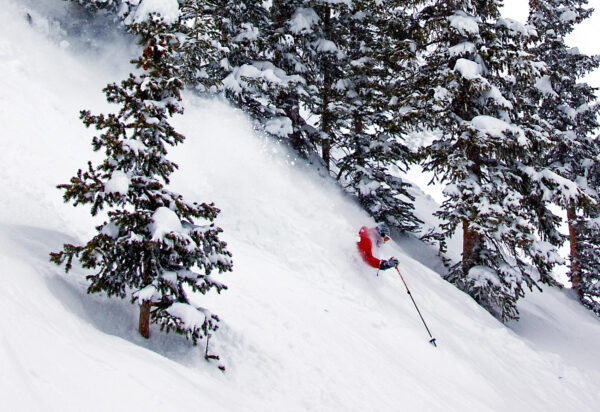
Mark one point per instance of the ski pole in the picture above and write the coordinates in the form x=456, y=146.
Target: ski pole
x=432, y=340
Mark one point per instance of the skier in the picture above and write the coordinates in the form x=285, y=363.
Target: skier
x=376, y=235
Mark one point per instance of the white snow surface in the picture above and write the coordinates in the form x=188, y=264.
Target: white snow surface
x=279, y=126
x=468, y=68
x=168, y=9
x=464, y=23
x=191, y=317
x=544, y=85
x=165, y=221
x=568, y=15
x=462, y=48
x=305, y=324
x=236, y=82
x=515, y=26
x=497, y=128
x=118, y=183
x=303, y=20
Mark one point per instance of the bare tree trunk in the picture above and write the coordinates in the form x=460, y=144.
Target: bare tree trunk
x=144, y=325
x=575, y=275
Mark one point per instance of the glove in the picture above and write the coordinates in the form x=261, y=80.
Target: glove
x=388, y=264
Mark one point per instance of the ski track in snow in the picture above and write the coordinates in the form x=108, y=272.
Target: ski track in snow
x=306, y=326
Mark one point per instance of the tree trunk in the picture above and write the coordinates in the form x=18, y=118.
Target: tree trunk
x=326, y=122
x=358, y=131
x=326, y=115
x=144, y=325
x=359, y=155
x=471, y=245
x=326, y=147
x=472, y=241
x=574, y=275
x=290, y=103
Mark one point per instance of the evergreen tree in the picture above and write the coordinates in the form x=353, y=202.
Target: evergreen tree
x=377, y=73
x=319, y=29
x=258, y=68
x=247, y=74
x=199, y=48
x=474, y=91
x=587, y=228
x=121, y=9
x=569, y=107
x=149, y=249
x=291, y=21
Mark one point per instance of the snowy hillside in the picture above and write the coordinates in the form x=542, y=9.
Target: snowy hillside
x=306, y=326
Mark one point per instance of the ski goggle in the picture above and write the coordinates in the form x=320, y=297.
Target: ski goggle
x=386, y=238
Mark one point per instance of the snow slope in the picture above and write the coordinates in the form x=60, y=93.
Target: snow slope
x=306, y=326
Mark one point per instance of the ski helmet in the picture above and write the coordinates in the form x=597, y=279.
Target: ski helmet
x=384, y=231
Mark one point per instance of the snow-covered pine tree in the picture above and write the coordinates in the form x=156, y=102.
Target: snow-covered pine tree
x=248, y=77
x=120, y=9
x=199, y=39
x=380, y=61
x=199, y=50
x=474, y=92
x=319, y=29
x=569, y=106
x=587, y=228
x=289, y=19
x=588, y=252
x=257, y=66
x=149, y=249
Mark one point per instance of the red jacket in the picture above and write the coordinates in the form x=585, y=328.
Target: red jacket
x=365, y=246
